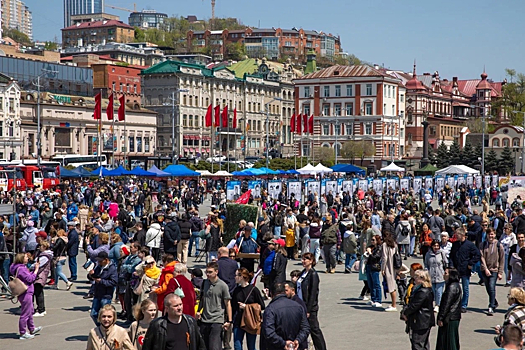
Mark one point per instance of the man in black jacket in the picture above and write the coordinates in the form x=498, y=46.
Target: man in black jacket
x=171, y=235
x=185, y=234
x=463, y=256
x=72, y=249
x=140, y=235
x=289, y=289
x=173, y=330
x=519, y=222
x=284, y=322
x=105, y=278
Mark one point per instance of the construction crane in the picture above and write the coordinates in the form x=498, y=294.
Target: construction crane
x=212, y=13
x=122, y=8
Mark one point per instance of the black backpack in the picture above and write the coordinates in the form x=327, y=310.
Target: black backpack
x=398, y=262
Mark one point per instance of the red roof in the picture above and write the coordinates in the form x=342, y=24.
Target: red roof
x=99, y=24
x=346, y=71
x=468, y=87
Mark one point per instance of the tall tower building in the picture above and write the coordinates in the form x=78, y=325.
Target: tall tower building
x=16, y=15
x=81, y=7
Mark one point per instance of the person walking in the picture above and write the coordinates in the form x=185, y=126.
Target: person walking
x=244, y=295
x=508, y=240
x=284, y=324
x=436, y=262
x=389, y=249
x=492, y=266
x=44, y=257
x=27, y=277
x=308, y=291
x=214, y=301
x=373, y=268
x=59, y=253
x=403, y=231
x=197, y=225
x=418, y=313
x=174, y=330
x=105, y=279
x=153, y=240
x=185, y=235
x=330, y=239
x=72, y=249
x=463, y=256
x=107, y=335
x=144, y=314
x=449, y=313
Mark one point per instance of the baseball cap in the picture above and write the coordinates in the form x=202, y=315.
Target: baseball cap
x=196, y=272
x=102, y=255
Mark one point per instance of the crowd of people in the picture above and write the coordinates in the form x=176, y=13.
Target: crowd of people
x=137, y=239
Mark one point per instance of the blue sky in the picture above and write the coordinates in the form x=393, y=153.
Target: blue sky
x=456, y=38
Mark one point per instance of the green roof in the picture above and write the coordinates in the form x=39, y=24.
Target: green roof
x=4, y=79
x=171, y=66
x=244, y=67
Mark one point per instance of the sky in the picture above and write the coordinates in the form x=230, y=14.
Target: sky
x=457, y=38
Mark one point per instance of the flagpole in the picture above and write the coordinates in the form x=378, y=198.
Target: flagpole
x=112, y=139
x=125, y=145
x=228, y=142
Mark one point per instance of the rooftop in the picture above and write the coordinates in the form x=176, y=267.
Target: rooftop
x=99, y=24
x=347, y=71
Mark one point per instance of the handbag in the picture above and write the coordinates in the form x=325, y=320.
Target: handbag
x=88, y=265
x=251, y=318
x=397, y=260
x=179, y=290
x=138, y=288
x=16, y=285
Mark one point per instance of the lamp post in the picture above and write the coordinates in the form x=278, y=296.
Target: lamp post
x=173, y=100
x=39, y=124
x=425, y=160
x=483, y=144
x=522, y=141
x=268, y=128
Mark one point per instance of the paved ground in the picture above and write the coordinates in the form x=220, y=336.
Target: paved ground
x=344, y=319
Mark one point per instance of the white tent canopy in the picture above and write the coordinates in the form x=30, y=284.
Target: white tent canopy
x=308, y=169
x=393, y=167
x=204, y=172
x=222, y=173
x=320, y=168
x=457, y=169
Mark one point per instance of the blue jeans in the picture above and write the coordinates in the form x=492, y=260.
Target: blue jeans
x=506, y=269
x=350, y=260
x=211, y=256
x=374, y=284
x=465, y=281
x=96, y=306
x=59, y=275
x=412, y=244
x=477, y=268
x=490, y=286
x=194, y=238
x=277, y=232
x=5, y=268
x=437, y=288
x=73, y=267
x=138, y=211
x=315, y=248
x=238, y=336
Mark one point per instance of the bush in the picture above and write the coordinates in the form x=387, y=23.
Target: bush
x=236, y=213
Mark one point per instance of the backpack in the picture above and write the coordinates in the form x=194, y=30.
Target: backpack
x=405, y=230
x=398, y=262
x=268, y=263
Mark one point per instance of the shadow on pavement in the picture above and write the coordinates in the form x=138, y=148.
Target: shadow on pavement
x=485, y=331
x=78, y=308
x=9, y=336
x=77, y=338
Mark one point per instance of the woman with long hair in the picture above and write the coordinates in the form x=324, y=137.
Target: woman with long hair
x=44, y=257
x=388, y=271
x=59, y=253
x=373, y=268
x=278, y=273
x=108, y=335
x=244, y=294
x=19, y=269
x=449, y=313
x=419, y=313
x=436, y=262
x=144, y=314
x=308, y=290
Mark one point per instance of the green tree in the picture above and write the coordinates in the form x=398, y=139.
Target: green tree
x=455, y=154
x=140, y=35
x=432, y=156
x=235, y=51
x=17, y=36
x=324, y=155
x=469, y=156
x=513, y=97
x=358, y=149
x=506, y=162
x=50, y=45
x=491, y=161
x=443, y=159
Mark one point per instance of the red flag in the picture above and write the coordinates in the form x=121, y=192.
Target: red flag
x=305, y=123
x=292, y=123
x=234, y=123
x=121, y=109
x=245, y=198
x=311, y=125
x=299, y=126
x=109, y=109
x=208, y=117
x=97, y=114
x=217, y=116
x=225, y=120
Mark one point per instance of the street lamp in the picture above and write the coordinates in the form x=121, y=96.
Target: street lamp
x=39, y=124
x=425, y=160
x=268, y=127
x=522, y=140
x=173, y=99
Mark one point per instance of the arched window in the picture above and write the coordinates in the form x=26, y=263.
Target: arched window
x=515, y=142
x=506, y=142
x=495, y=143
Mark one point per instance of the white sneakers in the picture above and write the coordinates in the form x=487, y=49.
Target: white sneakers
x=436, y=309
x=391, y=309
x=366, y=298
x=39, y=314
x=26, y=336
x=377, y=305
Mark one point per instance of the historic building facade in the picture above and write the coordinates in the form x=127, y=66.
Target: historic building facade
x=10, y=137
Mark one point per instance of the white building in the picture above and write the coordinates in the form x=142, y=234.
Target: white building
x=10, y=141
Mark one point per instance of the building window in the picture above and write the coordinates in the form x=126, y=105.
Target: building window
x=131, y=143
x=402, y=98
x=349, y=90
x=139, y=144
x=306, y=91
x=349, y=109
x=505, y=142
x=495, y=143
x=326, y=91
x=409, y=138
x=146, y=144
x=337, y=109
x=120, y=87
x=1, y=128
x=326, y=110
x=326, y=129
x=62, y=137
x=393, y=110
x=368, y=108
x=368, y=89
x=113, y=86
x=306, y=108
x=368, y=129
x=337, y=129
x=515, y=142
x=410, y=119
x=350, y=129
x=338, y=90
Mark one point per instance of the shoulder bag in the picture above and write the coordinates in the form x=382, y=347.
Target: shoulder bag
x=16, y=285
x=139, y=287
x=179, y=290
x=251, y=318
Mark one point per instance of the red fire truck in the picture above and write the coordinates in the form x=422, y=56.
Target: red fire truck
x=27, y=176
